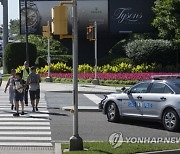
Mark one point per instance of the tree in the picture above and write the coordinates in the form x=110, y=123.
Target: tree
x=167, y=19
x=14, y=26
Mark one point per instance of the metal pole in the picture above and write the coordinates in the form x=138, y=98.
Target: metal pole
x=49, y=78
x=76, y=142
x=95, y=25
x=96, y=80
x=26, y=32
x=49, y=61
x=5, y=29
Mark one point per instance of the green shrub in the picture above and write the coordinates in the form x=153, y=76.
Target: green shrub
x=117, y=61
x=42, y=60
x=15, y=55
x=85, y=68
x=151, y=51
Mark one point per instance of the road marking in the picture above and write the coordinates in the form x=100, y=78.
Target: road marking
x=29, y=138
x=31, y=129
x=22, y=119
x=93, y=98
x=25, y=123
x=14, y=132
x=26, y=115
x=24, y=128
x=25, y=144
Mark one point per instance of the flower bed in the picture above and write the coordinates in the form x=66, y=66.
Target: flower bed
x=109, y=76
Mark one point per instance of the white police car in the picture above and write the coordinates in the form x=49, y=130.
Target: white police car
x=157, y=99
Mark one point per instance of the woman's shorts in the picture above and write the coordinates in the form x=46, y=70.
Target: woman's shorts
x=18, y=96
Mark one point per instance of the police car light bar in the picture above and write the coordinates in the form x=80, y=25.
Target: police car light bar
x=163, y=77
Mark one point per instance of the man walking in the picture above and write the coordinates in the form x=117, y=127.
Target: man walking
x=25, y=73
x=33, y=81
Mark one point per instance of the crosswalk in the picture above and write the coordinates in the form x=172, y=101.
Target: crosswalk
x=94, y=98
x=29, y=130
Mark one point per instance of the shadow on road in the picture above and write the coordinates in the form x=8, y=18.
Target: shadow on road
x=142, y=123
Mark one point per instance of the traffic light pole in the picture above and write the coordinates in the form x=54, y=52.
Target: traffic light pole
x=5, y=29
x=76, y=142
x=48, y=78
x=26, y=32
x=96, y=80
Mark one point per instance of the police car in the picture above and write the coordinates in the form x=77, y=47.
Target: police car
x=157, y=99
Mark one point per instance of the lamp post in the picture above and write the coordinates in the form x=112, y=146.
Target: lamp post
x=95, y=80
x=5, y=28
x=26, y=32
x=76, y=142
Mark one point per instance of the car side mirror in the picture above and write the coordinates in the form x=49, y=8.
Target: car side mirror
x=123, y=89
x=129, y=92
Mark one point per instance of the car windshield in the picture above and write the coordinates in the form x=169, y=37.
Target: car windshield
x=177, y=85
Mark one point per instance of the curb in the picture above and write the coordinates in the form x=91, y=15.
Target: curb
x=82, y=108
x=175, y=151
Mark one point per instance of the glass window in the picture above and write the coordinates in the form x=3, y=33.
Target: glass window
x=160, y=88
x=140, y=88
x=167, y=90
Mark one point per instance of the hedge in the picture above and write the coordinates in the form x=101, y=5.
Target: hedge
x=151, y=51
x=15, y=55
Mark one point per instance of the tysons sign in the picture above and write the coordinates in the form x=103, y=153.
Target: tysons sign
x=127, y=15
x=130, y=16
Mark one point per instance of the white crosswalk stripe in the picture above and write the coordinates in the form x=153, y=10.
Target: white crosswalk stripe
x=31, y=129
x=94, y=98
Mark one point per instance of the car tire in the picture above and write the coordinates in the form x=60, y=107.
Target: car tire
x=112, y=112
x=170, y=120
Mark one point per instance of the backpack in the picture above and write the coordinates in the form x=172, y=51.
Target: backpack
x=34, y=78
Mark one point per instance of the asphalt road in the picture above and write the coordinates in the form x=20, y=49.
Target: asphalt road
x=93, y=126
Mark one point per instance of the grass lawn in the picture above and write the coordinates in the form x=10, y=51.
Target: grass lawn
x=125, y=148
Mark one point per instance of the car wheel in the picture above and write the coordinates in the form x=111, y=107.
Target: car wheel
x=170, y=120
x=112, y=112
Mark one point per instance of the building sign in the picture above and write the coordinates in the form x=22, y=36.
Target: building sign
x=113, y=16
x=128, y=16
x=39, y=13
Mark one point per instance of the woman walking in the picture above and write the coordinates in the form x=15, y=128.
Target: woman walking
x=10, y=84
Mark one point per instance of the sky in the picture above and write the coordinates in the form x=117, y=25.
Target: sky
x=13, y=10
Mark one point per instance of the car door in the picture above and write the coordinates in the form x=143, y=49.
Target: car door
x=132, y=104
x=155, y=100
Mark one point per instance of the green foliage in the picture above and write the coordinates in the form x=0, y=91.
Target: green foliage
x=59, y=67
x=42, y=45
x=167, y=19
x=42, y=60
x=117, y=61
x=58, y=52
x=151, y=51
x=85, y=68
x=144, y=68
x=14, y=28
x=15, y=55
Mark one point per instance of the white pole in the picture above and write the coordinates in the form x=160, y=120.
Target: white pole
x=76, y=142
x=49, y=58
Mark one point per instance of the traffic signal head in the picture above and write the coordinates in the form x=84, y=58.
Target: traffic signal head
x=46, y=31
x=91, y=32
x=60, y=20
